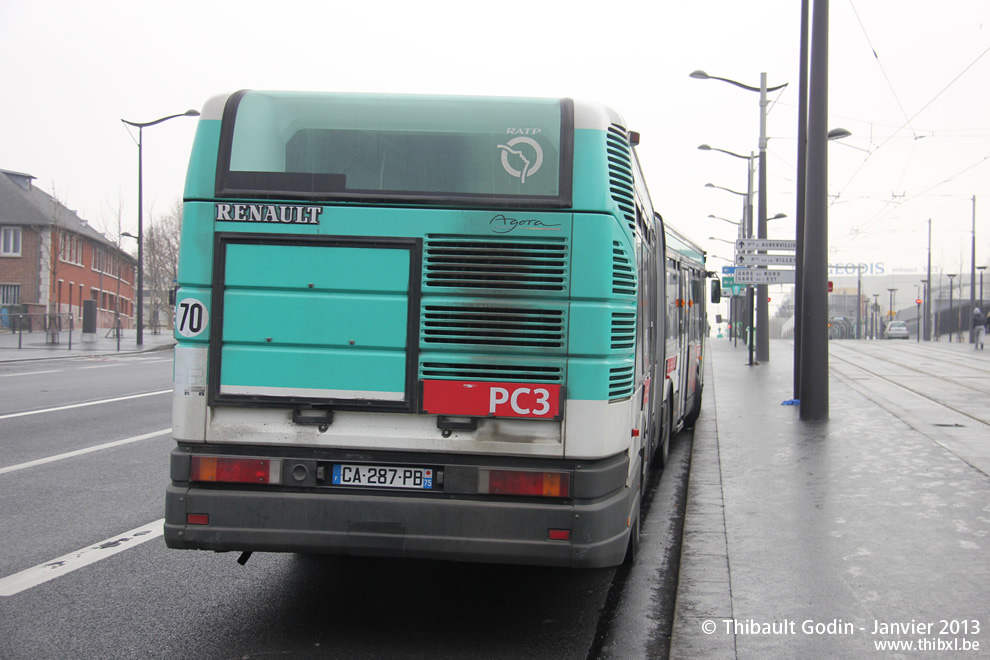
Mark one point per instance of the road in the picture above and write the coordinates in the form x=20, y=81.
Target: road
x=84, y=572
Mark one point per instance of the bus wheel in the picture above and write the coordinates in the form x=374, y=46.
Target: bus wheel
x=632, y=549
x=662, y=450
x=692, y=416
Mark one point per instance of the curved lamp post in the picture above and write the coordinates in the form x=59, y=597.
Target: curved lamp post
x=763, y=314
x=140, y=235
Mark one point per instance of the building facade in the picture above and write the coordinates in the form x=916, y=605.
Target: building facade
x=51, y=260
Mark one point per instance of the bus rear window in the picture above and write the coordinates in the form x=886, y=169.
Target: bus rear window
x=469, y=151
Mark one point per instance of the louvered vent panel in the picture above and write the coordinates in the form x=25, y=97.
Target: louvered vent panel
x=491, y=372
x=623, y=330
x=488, y=327
x=620, y=173
x=623, y=272
x=496, y=264
x=620, y=382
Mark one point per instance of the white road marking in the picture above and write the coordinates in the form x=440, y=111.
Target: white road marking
x=32, y=577
x=80, y=452
x=32, y=373
x=83, y=405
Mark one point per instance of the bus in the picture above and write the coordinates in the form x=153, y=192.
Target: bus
x=424, y=326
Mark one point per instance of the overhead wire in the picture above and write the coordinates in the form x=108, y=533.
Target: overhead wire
x=883, y=213
x=890, y=85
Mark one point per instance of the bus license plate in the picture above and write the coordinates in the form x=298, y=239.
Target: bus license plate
x=381, y=476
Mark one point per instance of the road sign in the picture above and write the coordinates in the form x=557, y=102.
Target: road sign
x=764, y=276
x=764, y=244
x=766, y=259
x=728, y=270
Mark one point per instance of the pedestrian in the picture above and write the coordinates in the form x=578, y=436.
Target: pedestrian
x=978, y=329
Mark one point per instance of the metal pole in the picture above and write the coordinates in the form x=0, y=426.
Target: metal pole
x=859, y=300
x=814, y=342
x=950, y=307
x=928, y=279
x=972, y=280
x=802, y=158
x=140, y=237
x=140, y=240
x=750, y=338
x=762, y=308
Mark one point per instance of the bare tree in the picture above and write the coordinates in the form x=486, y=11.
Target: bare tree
x=113, y=231
x=58, y=245
x=161, y=261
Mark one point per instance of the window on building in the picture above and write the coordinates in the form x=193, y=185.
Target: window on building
x=10, y=241
x=71, y=248
x=10, y=294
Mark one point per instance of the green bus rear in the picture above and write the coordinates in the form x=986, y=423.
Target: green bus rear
x=416, y=326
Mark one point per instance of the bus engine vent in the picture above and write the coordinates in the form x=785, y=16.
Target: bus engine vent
x=620, y=173
x=502, y=264
x=623, y=275
x=623, y=330
x=534, y=373
x=493, y=326
x=620, y=382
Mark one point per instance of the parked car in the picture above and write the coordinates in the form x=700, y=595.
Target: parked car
x=896, y=330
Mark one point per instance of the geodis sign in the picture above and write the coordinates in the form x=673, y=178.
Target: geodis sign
x=484, y=399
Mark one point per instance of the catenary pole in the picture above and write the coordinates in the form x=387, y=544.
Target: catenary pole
x=814, y=345
x=802, y=157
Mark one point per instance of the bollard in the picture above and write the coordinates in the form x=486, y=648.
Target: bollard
x=20, y=330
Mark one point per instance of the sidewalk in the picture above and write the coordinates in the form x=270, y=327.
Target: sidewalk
x=805, y=539
x=33, y=345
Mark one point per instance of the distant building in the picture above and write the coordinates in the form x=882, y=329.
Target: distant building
x=51, y=260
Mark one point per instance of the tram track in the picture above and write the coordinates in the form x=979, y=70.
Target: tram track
x=898, y=383
x=958, y=359
x=981, y=372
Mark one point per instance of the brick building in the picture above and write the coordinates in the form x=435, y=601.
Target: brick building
x=51, y=259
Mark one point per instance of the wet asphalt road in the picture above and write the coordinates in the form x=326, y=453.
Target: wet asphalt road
x=148, y=601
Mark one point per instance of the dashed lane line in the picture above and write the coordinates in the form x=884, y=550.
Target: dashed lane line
x=83, y=405
x=80, y=452
x=32, y=577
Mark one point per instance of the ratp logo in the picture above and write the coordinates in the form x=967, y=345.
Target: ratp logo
x=523, y=151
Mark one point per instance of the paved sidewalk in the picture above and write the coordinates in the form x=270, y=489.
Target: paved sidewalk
x=806, y=539
x=15, y=347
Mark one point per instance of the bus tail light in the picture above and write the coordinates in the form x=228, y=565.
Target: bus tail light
x=524, y=482
x=228, y=469
x=559, y=534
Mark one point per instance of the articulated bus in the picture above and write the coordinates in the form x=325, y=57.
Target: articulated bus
x=425, y=326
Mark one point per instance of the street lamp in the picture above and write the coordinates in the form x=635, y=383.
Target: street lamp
x=705, y=147
x=746, y=231
x=763, y=312
x=716, y=238
x=140, y=235
x=737, y=223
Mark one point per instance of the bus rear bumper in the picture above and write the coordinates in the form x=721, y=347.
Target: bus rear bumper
x=382, y=525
